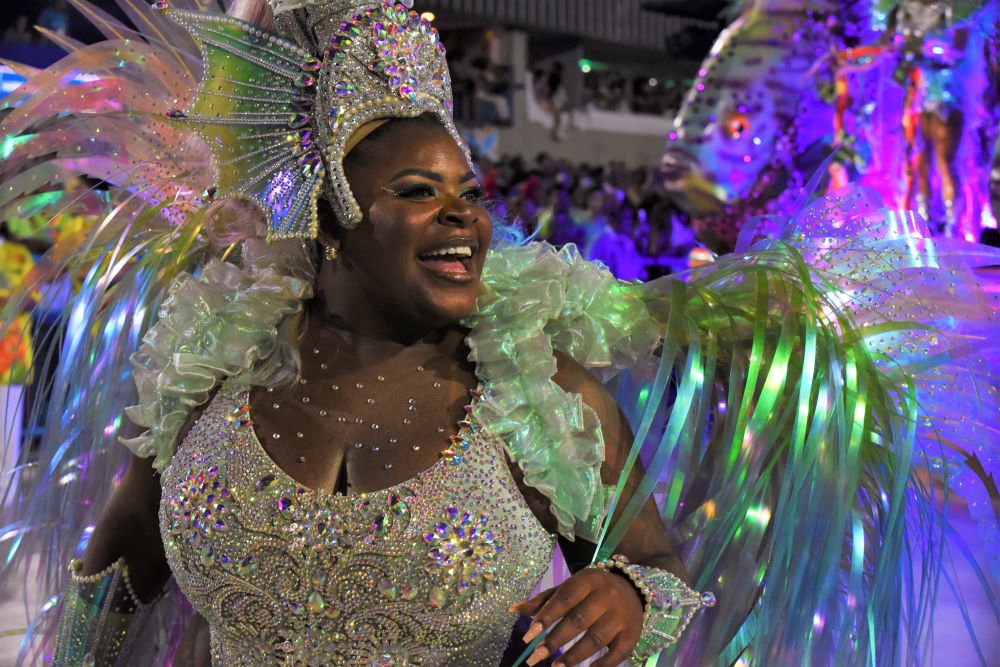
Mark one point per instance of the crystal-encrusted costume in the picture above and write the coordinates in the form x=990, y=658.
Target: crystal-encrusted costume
x=796, y=395
x=421, y=573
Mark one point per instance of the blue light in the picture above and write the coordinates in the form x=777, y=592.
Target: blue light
x=11, y=80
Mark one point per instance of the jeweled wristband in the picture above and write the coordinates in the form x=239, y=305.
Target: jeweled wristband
x=100, y=616
x=670, y=604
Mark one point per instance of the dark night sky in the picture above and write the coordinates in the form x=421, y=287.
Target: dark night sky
x=11, y=9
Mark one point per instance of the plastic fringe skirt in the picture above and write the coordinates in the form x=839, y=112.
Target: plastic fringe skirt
x=821, y=398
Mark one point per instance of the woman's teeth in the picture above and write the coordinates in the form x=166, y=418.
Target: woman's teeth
x=452, y=264
x=458, y=251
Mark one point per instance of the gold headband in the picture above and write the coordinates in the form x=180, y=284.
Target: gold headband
x=362, y=133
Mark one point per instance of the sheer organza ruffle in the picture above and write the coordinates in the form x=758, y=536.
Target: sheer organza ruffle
x=536, y=299
x=212, y=327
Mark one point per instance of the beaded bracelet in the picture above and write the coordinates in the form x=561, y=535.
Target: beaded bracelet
x=670, y=604
x=100, y=617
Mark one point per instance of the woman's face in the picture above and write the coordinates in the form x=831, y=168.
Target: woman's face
x=418, y=255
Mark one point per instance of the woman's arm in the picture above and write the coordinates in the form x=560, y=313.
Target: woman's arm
x=123, y=570
x=129, y=528
x=606, y=607
x=646, y=541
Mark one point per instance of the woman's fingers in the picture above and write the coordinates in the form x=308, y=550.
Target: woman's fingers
x=565, y=602
x=602, y=634
x=531, y=605
x=603, y=609
x=590, y=617
x=565, y=596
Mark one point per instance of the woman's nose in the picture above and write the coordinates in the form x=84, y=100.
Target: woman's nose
x=459, y=213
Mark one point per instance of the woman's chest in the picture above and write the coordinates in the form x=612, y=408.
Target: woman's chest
x=361, y=431
x=256, y=552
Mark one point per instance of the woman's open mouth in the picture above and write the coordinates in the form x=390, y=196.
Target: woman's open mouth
x=452, y=263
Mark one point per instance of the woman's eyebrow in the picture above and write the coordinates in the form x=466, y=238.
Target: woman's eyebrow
x=432, y=175
x=426, y=173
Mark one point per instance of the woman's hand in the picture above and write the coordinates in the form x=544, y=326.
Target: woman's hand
x=604, y=605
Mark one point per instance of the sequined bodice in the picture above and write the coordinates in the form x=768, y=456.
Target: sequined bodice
x=421, y=573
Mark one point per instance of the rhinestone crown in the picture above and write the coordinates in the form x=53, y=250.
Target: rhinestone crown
x=279, y=109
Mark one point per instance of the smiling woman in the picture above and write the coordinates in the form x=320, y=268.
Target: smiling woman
x=418, y=261
x=346, y=492
x=367, y=417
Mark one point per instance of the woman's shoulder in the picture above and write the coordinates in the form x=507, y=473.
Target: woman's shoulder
x=616, y=433
x=574, y=378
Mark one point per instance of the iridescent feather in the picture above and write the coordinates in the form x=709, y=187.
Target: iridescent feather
x=137, y=186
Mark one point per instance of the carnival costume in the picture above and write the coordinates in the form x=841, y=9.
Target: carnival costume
x=924, y=30
x=798, y=392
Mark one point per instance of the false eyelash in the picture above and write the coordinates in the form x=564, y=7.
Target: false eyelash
x=412, y=190
x=478, y=194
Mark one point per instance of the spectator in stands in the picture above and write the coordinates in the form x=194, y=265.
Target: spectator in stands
x=463, y=86
x=56, y=17
x=19, y=32
x=597, y=216
x=613, y=243
x=557, y=222
x=492, y=92
x=550, y=89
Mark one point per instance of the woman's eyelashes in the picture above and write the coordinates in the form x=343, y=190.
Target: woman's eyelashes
x=423, y=192
x=416, y=191
x=474, y=194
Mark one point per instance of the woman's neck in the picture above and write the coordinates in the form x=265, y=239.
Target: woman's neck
x=367, y=346
x=345, y=303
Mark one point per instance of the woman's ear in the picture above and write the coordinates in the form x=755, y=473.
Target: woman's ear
x=328, y=235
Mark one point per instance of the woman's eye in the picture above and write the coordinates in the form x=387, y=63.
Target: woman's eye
x=416, y=192
x=474, y=195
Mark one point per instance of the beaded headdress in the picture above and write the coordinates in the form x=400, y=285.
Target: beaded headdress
x=278, y=110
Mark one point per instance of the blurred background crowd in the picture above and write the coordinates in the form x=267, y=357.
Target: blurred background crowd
x=613, y=213
x=20, y=23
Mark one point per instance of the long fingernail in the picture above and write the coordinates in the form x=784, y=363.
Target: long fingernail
x=533, y=631
x=540, y=654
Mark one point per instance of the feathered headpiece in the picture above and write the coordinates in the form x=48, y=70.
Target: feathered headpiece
x=279, y=112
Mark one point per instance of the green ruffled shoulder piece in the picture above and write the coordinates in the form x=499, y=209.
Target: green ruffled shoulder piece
x=212, y=327
x=536, y=300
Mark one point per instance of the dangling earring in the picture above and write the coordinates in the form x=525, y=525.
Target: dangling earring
x=331, y=252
